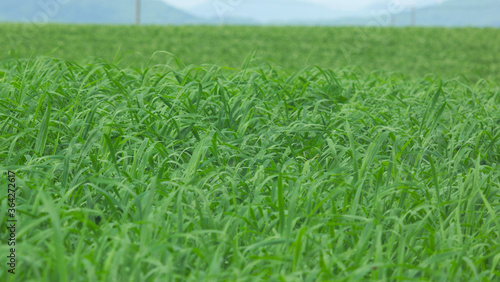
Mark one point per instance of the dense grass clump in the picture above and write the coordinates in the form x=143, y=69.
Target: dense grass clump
x=199, y=174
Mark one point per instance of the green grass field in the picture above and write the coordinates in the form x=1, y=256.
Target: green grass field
x=468, y=53
x=265, y=171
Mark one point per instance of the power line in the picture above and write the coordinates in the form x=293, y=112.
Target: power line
x=137, y=12
x=413, y=16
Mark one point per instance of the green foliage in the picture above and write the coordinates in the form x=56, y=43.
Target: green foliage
x=200, y=174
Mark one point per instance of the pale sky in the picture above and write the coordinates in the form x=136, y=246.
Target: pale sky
x=337, y=4
x=185, y=3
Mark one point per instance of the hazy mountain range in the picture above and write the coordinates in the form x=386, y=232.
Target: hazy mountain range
x=264, y=11
x=93, y=11
x=253, y=12
x=452, y=13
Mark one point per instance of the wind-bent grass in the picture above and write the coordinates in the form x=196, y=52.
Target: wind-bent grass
x=199, y=174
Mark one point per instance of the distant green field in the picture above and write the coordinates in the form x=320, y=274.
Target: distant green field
x=468, y=53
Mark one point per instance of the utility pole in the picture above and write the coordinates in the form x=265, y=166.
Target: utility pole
x=137, y=12
x=413, y=15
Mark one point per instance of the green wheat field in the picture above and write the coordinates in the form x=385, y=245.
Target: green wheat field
x=203, y=153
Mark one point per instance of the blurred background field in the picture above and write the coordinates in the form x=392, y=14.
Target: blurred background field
x=465, y=53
